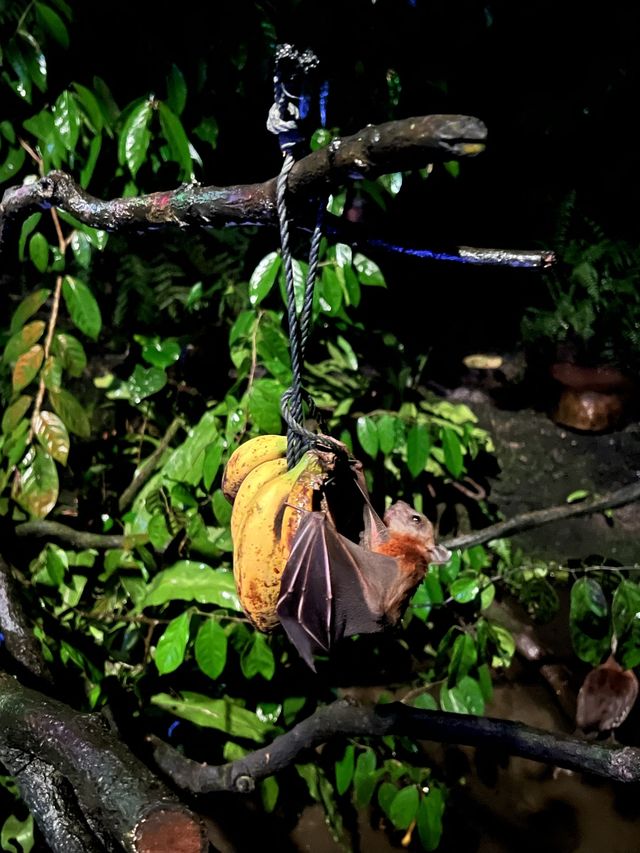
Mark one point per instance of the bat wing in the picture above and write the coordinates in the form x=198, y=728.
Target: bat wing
x=331, y=588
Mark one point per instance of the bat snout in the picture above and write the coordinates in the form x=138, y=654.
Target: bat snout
x=439, y=554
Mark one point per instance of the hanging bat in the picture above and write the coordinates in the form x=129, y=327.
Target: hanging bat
x=332, y=587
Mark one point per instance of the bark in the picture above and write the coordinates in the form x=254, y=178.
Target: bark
x=116, y=793
x=349, y=719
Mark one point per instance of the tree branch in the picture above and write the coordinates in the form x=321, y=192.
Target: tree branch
x=394, y=146
x=115, y=791
x=528, y=520
x=143, y=473
x=78, y=538
x=348, y=719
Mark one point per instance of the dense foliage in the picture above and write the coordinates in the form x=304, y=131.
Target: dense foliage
x=116, y=346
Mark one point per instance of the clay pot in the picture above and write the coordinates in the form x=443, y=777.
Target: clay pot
x=593, y=399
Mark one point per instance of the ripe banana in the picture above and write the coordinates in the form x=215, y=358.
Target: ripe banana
x=262, y=448
x=265, y=531
x=250, y=486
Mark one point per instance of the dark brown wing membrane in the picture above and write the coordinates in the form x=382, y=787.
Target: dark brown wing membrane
x=331, y=588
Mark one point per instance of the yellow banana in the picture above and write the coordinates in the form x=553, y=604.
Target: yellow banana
x=248, y=456
x=250, y=486
x=261, y=547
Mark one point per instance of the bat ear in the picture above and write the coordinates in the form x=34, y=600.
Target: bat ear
x=439, y=554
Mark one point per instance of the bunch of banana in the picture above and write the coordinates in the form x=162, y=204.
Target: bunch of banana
x=268, y=501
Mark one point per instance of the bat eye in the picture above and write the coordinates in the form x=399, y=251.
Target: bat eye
x=416, y=519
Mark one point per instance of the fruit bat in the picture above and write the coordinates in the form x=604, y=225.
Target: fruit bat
x=332, y=587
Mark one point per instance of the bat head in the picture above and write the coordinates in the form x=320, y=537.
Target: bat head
x=401, y=517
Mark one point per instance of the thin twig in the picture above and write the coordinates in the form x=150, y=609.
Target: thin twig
x=147, y=468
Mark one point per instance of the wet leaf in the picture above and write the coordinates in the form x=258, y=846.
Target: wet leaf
x=218, y=714
x=39, y=251
x=465, y=698
x=35, y=487
x=71, y=353
x=91, y=106
x=464, y=589
x=27, y=367
x=53, y=436
x=367, y=431
x=172, y=644
x=188, y=580
x=66, y=119
x=82, y=306
x=174, y=133
x=161, y=353
x=211, y=648
x=145, y=381
x=71, y=412
x=263, y=277
x=135, y=137
x=589, y=621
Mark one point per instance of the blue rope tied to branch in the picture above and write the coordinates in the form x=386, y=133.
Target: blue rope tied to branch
x=288, y=112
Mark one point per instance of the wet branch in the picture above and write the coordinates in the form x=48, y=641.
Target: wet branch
x=117, y=795
x=536, y=518
x=41, y=528
x=375, y=150
x=348, y=719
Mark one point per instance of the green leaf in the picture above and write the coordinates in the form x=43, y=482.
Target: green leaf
x=465, y=698
x=257, y=658
x=86, y=173
x=329, y=291
x=21, y=831
x=39, y=251
x=27, y=367
x=218, y=714
x=66, y=119
x=145, y=381
x=135, y=137
x=418, y=446
x=52, y=24
x=91, y=106
x=625, y=612
x=368, y=272
x=345, y=767
x=367, y=431
x=14, y=413
x=172, y=645
x=174, y=133
x=452, y=451
x=425, y=701
x=263, y=277
x=186, y=462
x=589, y=621
x=81, y=248
x=71, y=412
x=429, y=820
x=364, y=778
x=387, y=431
x=264, y=405
x=27, y=308
x=207, y=131
x=463, y=656
x=504, y=644
x=404, y=807
x=577, y=495
x=176, y=90
x=484, y=680
x=188, y=580
x=82, y=306
x=386, y=795
x=161, y=353
x=70, y=352
x=53, y=436
x=211, y=648
x=35, y=487
x=28, y=225
x=212, y=460
x=12, y=164
x=23, y=340
x=464, y=589
x=221, y=508
x=269, y=791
